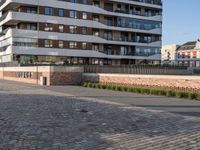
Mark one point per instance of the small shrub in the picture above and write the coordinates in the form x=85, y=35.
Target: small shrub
x=179, y=94
x=90, y=85
x=104, y=86
x=125, y=89
x=114, y=87
x=99, y=86
x=138, y=90
x=185, y=95
x=119, y=88
x=145, y=91
x=193, y=95
x=198, y=96
x=162, y=92
x=131, y=89
x=182, y=95
x=95, y=85
x=154, y=92
x=171, y=93
x=109, y=87
x=84, y=84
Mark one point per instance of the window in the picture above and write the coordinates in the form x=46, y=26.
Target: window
x=96, y=33
x=73, y=14
x=72, y=44
x=61, y=28
x=96, y=18
x=73, y=1
x=84, y=30
x=31, y=27
x=73, y=29
x=60, y=44
x=48, y=11
x=31, y=10
x=84, y=15
x=48, y=27
x=48, y=43
x=61, y=12
x=85, y=1
x=84, y=45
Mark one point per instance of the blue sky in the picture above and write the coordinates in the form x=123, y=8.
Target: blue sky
x=181, y=21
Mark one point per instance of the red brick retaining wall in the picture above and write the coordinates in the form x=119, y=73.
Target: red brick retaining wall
x=183, y=83
x=53, y=75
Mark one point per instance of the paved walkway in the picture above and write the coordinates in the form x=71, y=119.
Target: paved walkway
x=50, y=118
x=179, y=106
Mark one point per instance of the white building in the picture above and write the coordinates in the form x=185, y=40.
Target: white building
x=168, y=53
x=188, y=54
x=111, y=32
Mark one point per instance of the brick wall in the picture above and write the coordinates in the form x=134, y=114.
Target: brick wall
x=74, y=75
x=53, y=75
x=186, y=83
x=65, y=78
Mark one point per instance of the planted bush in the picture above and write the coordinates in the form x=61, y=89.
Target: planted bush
x=109, y=87
x=171, y=93
x=182, y=95
x=138, y=90
x=131, y=89
x=90, y=85
x=144, y=90
x=119, y=88
x=154, y=92
x=163, y=92
x=104, y=86
x=198, y=97
x=193, y=95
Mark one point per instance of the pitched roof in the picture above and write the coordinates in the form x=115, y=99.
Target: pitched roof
x=188, y=46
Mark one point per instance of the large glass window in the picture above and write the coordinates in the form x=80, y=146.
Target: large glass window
x=73, y=29
x=48, y=27
x=84, y=45
x=146, y=51
x=61, y=12
x=60, y=44
x=48, y=11
x=61, y=28
x=48, y=43
x=73, y=14
x=84, y=15
x=136, y=23
x=72, y=44
x=85, y=1
x=31, y=26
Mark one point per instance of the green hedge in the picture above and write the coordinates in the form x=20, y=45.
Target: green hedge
x=144, y=90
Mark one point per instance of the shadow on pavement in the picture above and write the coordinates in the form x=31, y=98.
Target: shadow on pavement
x=59, y=122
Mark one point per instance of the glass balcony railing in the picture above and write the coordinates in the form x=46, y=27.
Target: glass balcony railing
x=154, y=2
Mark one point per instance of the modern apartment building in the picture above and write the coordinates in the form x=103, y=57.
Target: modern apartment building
x=105, y=32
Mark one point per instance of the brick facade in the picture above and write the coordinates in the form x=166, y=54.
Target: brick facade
x=74, y=75
x=53, y=75
x=191, y=83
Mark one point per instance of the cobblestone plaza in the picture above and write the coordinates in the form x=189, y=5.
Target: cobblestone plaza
x=34, y=118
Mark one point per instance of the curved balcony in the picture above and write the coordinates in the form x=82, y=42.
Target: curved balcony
x=72, y=37
x=156, y=16
x=78, y=7
x=13, y=17
x=20, y=50
x=149, y=2
x=145, y=3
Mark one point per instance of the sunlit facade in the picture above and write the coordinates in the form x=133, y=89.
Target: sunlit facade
x=104, y=32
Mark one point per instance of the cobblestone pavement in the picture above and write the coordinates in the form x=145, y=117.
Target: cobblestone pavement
x=33, y=118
